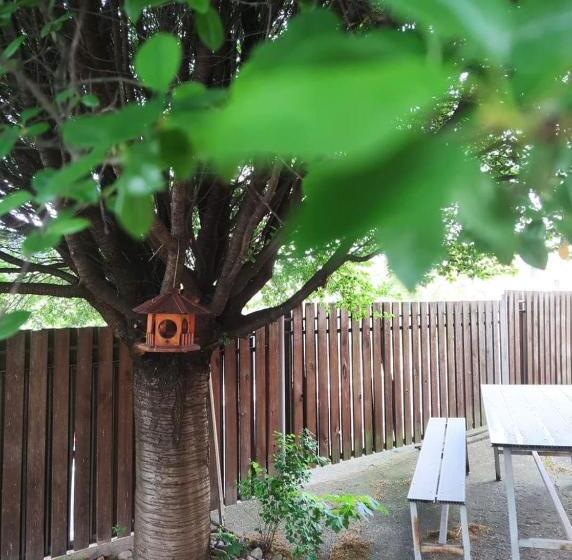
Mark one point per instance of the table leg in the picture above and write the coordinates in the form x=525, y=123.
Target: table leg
x=511, y=500
x=497, y=463
x=465, y=533
x=415, y=530
x=444, y=523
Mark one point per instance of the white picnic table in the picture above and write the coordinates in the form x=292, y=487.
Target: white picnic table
x=533, y=420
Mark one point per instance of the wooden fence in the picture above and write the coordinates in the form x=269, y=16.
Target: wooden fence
x=361, y=384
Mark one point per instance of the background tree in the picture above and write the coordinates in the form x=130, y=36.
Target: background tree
x=155, y=145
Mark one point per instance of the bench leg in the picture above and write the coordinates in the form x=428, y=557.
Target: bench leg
x=444, y=523
x=497, y=464
x=416, y=531
x=511, y=500
x=465, y=533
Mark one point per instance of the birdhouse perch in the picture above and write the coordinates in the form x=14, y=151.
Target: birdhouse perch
x=170, y=323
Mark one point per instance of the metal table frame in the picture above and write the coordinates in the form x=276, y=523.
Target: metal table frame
x=508, y=450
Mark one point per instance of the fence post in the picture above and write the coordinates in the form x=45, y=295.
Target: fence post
x=503, y=326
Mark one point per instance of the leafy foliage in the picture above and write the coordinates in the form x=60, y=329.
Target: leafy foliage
x=302, y=515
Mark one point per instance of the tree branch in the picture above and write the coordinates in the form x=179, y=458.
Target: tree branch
x=43, y=289
x=52, y=270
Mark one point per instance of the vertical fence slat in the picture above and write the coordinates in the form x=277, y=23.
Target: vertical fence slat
x=82, y=428
x=12, y=456
x=125, y=477
x=434, y=359
x=357, y=388
x=275, y=384
x=346, y=385
x=406, y=347
x=61, y=451
x=297, y=370
x=378, y=404
x=334, y=384
x=310, y=363
x=388, y=378
x=442, y=359
x=323, y=384
x=475, y=363
x=367, y=385
x=230, y=423
x=459, y=361
x=397, y=373
x=451, y=380
x=261, y=397
x=215, y=371
x=245, y=403
x=482, y=356
x=467, y=364
x=104, y=483
x=489, y=324
x=425, y=378
x=416, y=372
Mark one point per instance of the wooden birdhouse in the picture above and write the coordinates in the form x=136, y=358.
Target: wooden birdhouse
x=170, y=323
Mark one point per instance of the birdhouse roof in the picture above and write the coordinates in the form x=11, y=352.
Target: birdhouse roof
x=171, y=302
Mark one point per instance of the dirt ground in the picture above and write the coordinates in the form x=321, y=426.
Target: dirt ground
x=387, y=475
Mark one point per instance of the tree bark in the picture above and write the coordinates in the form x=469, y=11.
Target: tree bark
x=172, y=495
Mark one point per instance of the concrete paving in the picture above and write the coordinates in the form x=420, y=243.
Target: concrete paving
x=387, y=475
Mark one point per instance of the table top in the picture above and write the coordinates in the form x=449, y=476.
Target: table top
x=532, y=417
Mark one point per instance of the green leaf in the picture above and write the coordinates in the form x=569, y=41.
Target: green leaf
x=42, y=239
x=542, y=45
x=157, y=61
x=10, y=323
x=325, y=94
x=192, y=96
x=8, y=138
x=532, y=244
x=201, y=6
x=135, y=213
x=400, y=201
x=66, y=225
x=13, y=201
x=210, y=29
x=12, y=47
x=485, y=24
x=142, y=174
x=134, y=8
x=39, y=241
x=55, y=25
x=176, y=152
x=30, y=113
x=90, y=100
x=104, y=130
x=35, y=129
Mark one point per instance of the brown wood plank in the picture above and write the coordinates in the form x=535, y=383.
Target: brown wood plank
x=323, y=384
x=216, y=381
x=425, y=372
x=543, y=334
x=275, y=385
x=261, y=397
x=357, y=388
x=559, y=355
x=517, y=340
x=36, y=444
x=377, y=372
x=467, y=366
x=367, y=384
x=451, y=381
x=82, y=427
x=416, y=372
x=529, y=337
x=297, y=370
x=13, y=444
x=433, y=359
x=475, y=363
x=536, y=367
x=346, y=385
x=481, y=317
x=459, y=361
x=567, y=377
x=489, y=345
x=406, y=350
x=245, y=404
x=125, y=428
x=388, y=376
x=61, y=452
x=397, y=373
x=554, y=339
x=104, y=466
x=230, y=423
x=310, y=361
x=334, y=384
x=511, y=337
x=442, y=359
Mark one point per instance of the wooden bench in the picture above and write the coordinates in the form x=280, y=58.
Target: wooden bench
x=439, y=478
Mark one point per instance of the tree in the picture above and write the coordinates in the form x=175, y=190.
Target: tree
x=158, y=144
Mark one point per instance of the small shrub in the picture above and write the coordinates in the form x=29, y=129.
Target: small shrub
x=233, y=547
x=283, y=502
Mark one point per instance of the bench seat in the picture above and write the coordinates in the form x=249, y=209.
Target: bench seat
x=439, y=478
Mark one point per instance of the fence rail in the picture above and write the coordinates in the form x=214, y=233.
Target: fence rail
x=361, y=384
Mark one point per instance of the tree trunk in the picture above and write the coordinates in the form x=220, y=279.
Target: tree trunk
x=172, y=495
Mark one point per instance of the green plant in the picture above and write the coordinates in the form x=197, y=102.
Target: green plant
x=284, y=503
x=233, y=546
x=119, y=531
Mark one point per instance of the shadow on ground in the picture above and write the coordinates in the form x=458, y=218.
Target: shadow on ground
x=387, y=475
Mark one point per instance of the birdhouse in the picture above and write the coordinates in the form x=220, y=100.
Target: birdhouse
x=170, y=323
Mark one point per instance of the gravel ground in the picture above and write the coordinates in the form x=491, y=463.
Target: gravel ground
x=387, y=475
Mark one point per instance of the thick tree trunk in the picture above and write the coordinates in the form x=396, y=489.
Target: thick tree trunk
x=172, y=495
